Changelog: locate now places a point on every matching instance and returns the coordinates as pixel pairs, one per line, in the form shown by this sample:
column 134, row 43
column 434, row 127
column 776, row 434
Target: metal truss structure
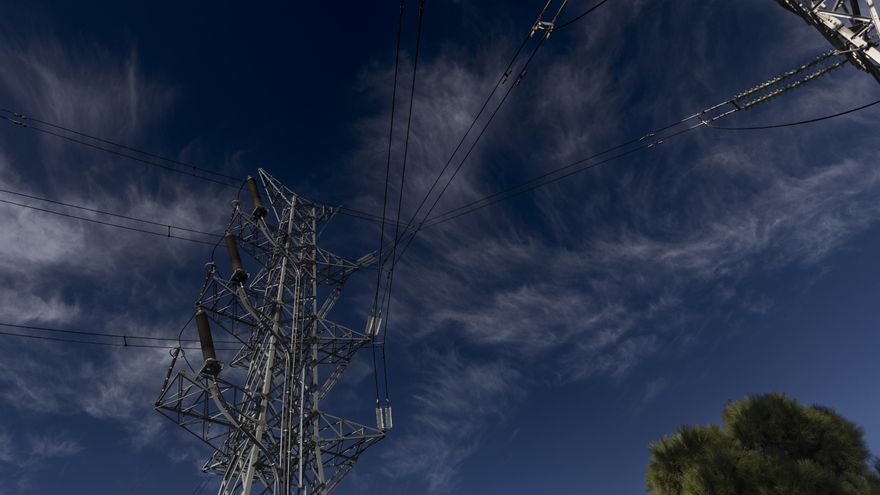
column 263, row 417
column 851, row 26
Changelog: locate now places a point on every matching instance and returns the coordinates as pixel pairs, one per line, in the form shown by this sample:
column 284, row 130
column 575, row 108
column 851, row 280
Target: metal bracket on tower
column 852, row 27
column 261, row 411
column 546, row 25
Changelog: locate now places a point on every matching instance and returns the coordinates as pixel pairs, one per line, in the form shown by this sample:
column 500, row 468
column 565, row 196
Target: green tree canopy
column 768, row 445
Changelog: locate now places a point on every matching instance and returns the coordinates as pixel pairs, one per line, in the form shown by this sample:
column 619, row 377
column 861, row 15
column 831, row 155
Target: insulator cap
column 380, row 423
column 212, row 365
column 373, row 324
column 239, row 275
column 388, row 420
column 259, row 210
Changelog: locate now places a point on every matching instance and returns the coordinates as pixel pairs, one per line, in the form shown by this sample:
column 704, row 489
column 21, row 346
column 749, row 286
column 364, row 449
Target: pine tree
column 768, row 445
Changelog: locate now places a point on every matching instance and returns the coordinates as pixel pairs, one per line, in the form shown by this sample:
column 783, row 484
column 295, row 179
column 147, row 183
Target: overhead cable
column 755, row 96
column 388, row 163
column 21, row 120
column 796, row 123
column 375, row 318
column 121, row 336
column 539, row 24
column 167, row 233
column 108, row 213
column 580, row 16
column 189, row 166
column 412, row 94
column 119, row 340
column 411, row 234
column 501, row 80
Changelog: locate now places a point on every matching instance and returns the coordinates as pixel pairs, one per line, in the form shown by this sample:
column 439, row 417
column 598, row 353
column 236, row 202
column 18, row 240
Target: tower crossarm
column 258, row 404
column 851, row 26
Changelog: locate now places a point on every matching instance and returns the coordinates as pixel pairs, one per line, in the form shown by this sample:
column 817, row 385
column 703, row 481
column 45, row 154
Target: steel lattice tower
column 263, row 418
column 851, row 26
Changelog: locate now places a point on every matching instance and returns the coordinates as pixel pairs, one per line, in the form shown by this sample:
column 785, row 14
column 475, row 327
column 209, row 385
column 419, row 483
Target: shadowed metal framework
column 851, row 26
column 263, row 417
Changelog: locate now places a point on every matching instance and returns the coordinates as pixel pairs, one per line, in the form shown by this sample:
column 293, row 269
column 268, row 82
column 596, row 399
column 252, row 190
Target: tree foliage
column 768, row 445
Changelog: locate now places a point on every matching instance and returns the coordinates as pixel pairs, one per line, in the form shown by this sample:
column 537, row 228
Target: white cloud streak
column 591, row 282
column 451, row 423
column 77, row 275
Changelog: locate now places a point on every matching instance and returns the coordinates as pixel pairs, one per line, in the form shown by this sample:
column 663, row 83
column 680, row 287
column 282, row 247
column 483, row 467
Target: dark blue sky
column 539, row 345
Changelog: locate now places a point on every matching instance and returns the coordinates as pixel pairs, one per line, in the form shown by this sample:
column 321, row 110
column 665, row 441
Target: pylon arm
column 845, row 27
column 259, row 406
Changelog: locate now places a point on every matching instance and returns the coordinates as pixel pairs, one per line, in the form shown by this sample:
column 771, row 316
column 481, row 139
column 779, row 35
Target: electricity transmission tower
column 852, row 27
column 261, row 410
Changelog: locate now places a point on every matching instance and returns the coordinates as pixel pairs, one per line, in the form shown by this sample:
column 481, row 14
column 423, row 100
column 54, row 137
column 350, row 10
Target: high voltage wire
column 107, row 334
column 412, row 95
column 167, row 234
column 414, row 232
column 491, row 199
column 117, row 215
column 386, row 297
column 796, row 123
column 387, row 181
column 531, row 184
column 194, row 172
column 21, row 120
column 25, row 118
column 580, row 16
column 545, row 179
column 504, row 76
column 388, row 160
column 122, row 340
column 761, row 93
column 519, row 189
column 508, row 71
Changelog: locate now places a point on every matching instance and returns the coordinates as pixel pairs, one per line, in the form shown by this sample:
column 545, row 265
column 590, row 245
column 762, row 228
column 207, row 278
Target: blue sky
column 539, row 345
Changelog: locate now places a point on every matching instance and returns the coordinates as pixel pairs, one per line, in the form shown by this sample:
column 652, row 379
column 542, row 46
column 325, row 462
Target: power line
column 76, row 341
column 103, row 344
column 110, row 335
column 24, row 117
column 102, row 212
column 388, row 167
column 508, row 71
column 122, row 340
column 375, row 314
column 414, row 232
column 580, row 16
column 108, row 224
column 406, row 142
column 793, row 124
column 748, row 99
column 194, row 172
column 539, row 24
column 168, row 231
column 412, row 95
column 501, row 80
column 537, row 182
column 19, row 119
column 519, row 190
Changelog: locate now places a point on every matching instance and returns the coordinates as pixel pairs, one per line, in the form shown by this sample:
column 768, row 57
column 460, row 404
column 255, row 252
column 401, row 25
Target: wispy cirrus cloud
column 593, row 273
column 78, row 275
column 451, row 423
column 52, row 445
column 28, row 454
